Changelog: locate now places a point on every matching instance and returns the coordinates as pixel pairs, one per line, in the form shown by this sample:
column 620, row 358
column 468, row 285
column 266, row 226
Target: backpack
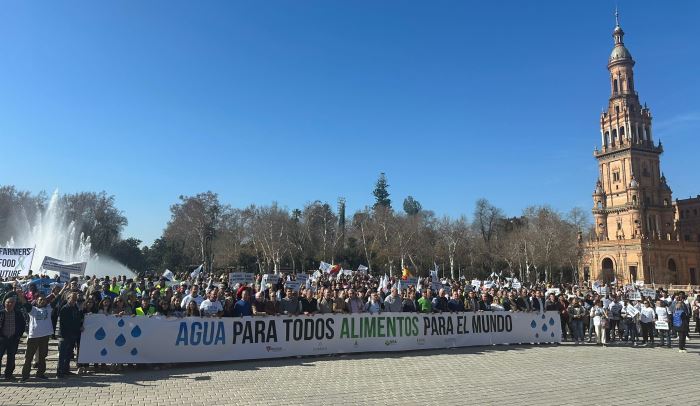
column 678, row 318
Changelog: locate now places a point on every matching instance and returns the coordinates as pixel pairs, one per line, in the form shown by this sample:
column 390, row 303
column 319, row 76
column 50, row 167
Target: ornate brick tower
column 635, row 216
column 631, row 199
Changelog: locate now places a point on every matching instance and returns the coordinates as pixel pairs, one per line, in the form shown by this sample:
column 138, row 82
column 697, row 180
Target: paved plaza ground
column 563, row 374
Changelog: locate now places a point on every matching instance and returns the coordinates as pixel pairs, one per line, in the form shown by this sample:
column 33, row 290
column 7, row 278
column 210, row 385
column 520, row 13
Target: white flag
column 434, row 275
column 362, row 269
column 196, row 272
column 325, row 267
column 398, row 286
column 168, row 274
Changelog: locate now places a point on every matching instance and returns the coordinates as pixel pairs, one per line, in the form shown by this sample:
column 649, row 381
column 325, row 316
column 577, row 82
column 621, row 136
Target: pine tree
column 411, row 206
column 381, row 194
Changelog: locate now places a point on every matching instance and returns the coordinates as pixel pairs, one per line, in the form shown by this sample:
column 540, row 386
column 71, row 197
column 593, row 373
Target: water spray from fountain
column 55, row 236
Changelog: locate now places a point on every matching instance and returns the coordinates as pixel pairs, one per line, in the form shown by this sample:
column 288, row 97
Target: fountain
column 55, row 237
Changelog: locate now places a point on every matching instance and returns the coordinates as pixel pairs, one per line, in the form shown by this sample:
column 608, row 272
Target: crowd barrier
column 144, row 340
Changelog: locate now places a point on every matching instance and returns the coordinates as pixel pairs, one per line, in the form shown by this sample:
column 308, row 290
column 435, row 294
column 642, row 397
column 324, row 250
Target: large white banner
column 112, row 339
column 15, row 262
column 57, row 265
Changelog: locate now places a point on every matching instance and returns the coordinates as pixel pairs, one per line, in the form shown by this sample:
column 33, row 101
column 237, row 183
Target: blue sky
column 293, row 101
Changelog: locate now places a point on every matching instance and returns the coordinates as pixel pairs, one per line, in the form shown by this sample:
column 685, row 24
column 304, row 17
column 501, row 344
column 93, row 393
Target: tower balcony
column 645, row 146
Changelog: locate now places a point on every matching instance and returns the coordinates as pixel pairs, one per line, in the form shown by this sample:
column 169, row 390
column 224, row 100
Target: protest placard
column 661, row 325
column 516, row 285
column 240, row 278
column 634, row 295
column 556, row 291
column 293, row 285
column 476, row 283
column 631, row 310
column 650, row 293
column 302, row 277
column 410, row 281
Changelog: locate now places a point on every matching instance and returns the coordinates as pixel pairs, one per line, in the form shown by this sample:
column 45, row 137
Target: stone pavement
column 545, row 374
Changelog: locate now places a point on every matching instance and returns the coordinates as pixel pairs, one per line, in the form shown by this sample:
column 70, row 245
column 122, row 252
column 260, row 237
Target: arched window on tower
column 622, row 134
column 607, row 139
column 615, row 88
column 613, row 141
column 647, row 132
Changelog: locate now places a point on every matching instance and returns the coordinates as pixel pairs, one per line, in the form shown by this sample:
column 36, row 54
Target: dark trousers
column 613, row 327
column 65, row 350
column 8, row 346
column 682, row 332
column 648, row 333
column 54, row 320
column 36, row 345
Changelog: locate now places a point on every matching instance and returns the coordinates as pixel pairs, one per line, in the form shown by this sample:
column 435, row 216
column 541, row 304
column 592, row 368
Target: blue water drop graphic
column 544, row 327
column 134, row 351
column 543, row 317
column 537, row 335
column 533, row 324
column 552, row 334
column 551, row 321
column 121, row 323
column 100, row 334
column 103, row 352
column 120, row 341
column 136, row 331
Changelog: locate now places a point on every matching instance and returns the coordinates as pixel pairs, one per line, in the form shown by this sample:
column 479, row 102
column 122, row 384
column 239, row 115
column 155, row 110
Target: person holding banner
column 662, row 314
column 393, row 302
column 243, row 307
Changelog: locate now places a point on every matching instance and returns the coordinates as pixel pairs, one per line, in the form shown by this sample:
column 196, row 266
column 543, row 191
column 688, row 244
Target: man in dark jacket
column 70, row 326
column 12, row 325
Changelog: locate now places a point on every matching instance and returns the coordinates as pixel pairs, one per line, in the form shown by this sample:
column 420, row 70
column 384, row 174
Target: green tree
column 381, row 192
column 411, row 206
column 129, row 253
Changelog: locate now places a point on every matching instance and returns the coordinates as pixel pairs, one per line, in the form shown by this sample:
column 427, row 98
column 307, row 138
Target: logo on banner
column 320, row 347
column 120, row 340
column 270, row 348
column 420, row 341
column 390, row 342
column 544, row 327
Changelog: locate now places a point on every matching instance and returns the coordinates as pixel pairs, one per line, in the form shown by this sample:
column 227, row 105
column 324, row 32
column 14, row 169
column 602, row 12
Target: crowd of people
column 40, row 306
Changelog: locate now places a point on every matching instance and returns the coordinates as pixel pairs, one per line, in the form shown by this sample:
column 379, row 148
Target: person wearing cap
column 243, row 307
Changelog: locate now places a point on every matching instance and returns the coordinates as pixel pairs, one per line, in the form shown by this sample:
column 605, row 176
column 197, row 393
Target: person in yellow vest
column 146, row 309
column 115, row 287
column 162, row 286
